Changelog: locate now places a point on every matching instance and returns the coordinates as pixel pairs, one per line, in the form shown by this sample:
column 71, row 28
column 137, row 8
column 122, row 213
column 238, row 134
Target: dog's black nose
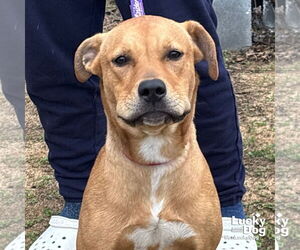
column 152, row 90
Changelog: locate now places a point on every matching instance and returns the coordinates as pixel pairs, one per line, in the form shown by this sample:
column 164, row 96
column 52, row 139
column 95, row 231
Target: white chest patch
column 159, row 232
column 163, row 234
column 156, row 204
column 150, row 149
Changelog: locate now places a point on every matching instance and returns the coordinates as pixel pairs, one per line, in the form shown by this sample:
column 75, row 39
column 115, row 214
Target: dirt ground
column 11, row 174
column 252, row 72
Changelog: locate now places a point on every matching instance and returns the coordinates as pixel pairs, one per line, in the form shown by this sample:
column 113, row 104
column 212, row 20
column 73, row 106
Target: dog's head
column 146, row 65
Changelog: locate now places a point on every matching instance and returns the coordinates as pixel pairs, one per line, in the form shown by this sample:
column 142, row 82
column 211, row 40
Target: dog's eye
column 174, row 55
column 121, row 60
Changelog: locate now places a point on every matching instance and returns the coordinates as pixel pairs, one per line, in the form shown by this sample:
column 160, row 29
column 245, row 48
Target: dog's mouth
column 155, row 119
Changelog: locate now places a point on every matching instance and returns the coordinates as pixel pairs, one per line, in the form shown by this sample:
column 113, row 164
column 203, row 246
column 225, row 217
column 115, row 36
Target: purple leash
column 137, row 8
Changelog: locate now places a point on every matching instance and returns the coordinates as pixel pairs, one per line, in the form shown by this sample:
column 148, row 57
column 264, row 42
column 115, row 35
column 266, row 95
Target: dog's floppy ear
column 206, row 44
column 84, row 61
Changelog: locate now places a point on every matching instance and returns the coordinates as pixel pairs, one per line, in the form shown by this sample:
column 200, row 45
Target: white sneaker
column 233, row 237
column 17, row 244
column 61, row 234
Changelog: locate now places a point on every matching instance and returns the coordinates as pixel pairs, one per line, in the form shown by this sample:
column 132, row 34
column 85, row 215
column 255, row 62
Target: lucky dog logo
column 254, row 224
column 257, row 225
column 281, row 228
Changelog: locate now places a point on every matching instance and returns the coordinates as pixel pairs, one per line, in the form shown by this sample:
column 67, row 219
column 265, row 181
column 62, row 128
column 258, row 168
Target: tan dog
column 150, row 187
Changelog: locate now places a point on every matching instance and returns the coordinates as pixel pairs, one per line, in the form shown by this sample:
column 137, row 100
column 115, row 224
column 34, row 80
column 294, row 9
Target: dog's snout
column 152, row 90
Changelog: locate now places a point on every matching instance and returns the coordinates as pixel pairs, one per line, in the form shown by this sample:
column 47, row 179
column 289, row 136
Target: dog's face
column 147, row 69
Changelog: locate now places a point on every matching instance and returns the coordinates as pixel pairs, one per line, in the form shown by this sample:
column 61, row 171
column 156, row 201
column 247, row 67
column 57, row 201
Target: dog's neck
column 152, row 164
column 151, row 149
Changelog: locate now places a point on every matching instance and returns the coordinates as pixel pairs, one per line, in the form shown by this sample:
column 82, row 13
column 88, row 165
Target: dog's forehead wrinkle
column 144, row 32
column 126, row 43
column 119, row 51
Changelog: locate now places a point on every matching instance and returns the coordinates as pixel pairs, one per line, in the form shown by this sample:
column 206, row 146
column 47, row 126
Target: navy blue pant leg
column 70, row 112
column 12, row 55
column 216, row 116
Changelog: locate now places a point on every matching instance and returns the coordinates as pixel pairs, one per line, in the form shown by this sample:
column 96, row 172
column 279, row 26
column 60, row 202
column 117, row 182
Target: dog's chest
column 151, row 149
column 159, row 232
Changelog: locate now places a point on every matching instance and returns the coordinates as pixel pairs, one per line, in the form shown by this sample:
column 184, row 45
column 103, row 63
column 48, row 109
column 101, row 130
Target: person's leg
column 12, row 55
column 70, row 112
column 216, row 116
column 13, row 90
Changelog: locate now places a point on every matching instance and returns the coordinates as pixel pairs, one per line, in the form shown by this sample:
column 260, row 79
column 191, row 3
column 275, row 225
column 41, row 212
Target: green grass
column 292, row 152
column 49, row 212
column 268, row 152
column 32, row 236
column 30, row 223
column 31, row 199
column 44, row 181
